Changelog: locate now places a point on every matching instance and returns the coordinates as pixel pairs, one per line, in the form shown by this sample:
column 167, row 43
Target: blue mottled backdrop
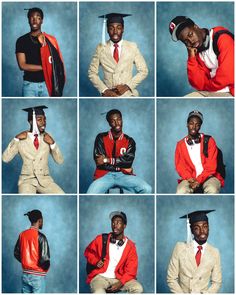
column 171, row 229
column 139, row 28
column 138, row 122
column 172, row 126
column 60, row 228
column 94, row 219
column 61, row 124
column 172, row 77
column 60, row 20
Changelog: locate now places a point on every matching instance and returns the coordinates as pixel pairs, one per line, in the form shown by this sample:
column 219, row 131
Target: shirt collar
column 119, row 43
column 111, row 136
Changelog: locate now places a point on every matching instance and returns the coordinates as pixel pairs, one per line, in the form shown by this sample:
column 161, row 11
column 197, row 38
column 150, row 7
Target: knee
column 136, row 288
column 183, row 189
column 146, row 189
column 211, row 189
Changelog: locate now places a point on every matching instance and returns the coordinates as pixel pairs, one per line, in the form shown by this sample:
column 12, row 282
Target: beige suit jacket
column 35, row 162
column 183, row 275
column 118, row 73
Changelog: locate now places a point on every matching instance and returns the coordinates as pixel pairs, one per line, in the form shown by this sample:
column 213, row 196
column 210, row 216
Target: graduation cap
column 193, row 217
column 39, row 110
column 111, row 18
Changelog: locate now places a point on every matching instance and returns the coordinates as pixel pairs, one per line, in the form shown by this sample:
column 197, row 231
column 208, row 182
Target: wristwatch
column 105, row 160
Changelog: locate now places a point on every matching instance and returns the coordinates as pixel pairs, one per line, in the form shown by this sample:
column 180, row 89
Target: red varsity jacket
column 185, row 167
column 32, row 250
column 47, row 63
column 199, row 75
column 127, row 267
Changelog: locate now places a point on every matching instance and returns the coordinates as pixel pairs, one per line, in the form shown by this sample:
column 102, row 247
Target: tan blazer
column 35, row 162
column 118, row 73
column 183, row 275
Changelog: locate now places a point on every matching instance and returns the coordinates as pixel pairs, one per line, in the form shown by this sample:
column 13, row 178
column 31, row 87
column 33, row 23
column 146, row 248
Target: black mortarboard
column 39, row 110
column 114, row 17
column 196, row 216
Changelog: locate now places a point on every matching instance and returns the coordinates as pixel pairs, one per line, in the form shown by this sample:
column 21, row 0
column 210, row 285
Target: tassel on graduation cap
column 111, row 18
column 193, row 217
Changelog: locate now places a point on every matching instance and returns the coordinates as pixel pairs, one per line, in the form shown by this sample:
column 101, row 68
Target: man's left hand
column 115, row 287
column 194, row 185
column 48, row 139
column 121, row 89
column 100, row 160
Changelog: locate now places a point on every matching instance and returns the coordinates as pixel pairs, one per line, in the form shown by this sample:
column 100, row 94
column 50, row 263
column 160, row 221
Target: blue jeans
column 131, row 183
column 34, row 89
column 33, row 284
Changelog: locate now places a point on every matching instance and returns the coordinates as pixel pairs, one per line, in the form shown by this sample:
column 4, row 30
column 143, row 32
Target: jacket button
column 200, row 278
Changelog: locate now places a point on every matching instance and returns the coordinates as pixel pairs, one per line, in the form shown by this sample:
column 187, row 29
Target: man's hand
column 100, row 160
column 48, row 139
column 110, row 93
column 22, row 135
column 194, row 184
column 115, row 287
column 100, row 263
column 192, row 51
column 121, row 89
column 41, row 39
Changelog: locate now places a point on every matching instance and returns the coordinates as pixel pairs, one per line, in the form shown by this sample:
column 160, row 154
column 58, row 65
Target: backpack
column 216, row 37
column 91, row 267
column 220, row 162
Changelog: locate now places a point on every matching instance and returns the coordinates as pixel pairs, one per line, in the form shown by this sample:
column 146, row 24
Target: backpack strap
column 216, row 37
column 104, row 245
column 205, row 145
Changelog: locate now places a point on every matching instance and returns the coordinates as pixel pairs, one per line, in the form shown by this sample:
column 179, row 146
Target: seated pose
column 34, row 147
column 114, row 153
column 195, row 266
column 197, row 170
column 210, row 64
column 112, row 260
column 117, row 58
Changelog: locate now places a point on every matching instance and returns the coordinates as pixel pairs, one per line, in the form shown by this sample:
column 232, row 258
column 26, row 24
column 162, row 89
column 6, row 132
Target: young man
column 32, row 251
column 116, row 271
column 195, row 169
column 210, row 64
column 34, row 147
column 39, row 56
column 116, row 58
column 195, row 267
column 114, row 153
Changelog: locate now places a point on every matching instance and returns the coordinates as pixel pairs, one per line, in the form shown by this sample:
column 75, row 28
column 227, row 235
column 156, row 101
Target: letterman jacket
column 185, row 167
column 127, row 267
column 121, row 153
column 32, row 250
column 221, row 72
column 47, row 59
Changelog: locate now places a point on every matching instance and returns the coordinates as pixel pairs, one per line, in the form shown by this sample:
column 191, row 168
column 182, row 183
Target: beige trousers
column 210, row 186
column 33, row 187
column 99, row 284
column 208, row 94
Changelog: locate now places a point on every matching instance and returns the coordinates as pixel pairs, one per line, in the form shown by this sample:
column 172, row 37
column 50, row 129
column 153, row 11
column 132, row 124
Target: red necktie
column 198, row 255
column 116, row 52
column 36, row 141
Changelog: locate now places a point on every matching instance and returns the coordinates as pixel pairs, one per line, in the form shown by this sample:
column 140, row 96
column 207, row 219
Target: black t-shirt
column 30, row 46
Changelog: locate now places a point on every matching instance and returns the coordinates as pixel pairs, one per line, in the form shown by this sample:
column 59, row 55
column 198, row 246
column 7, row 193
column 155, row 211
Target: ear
column 196, row 26
column 124, row 226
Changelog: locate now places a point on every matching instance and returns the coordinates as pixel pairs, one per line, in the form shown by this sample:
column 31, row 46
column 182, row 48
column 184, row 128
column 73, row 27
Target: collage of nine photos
column 117, row 147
